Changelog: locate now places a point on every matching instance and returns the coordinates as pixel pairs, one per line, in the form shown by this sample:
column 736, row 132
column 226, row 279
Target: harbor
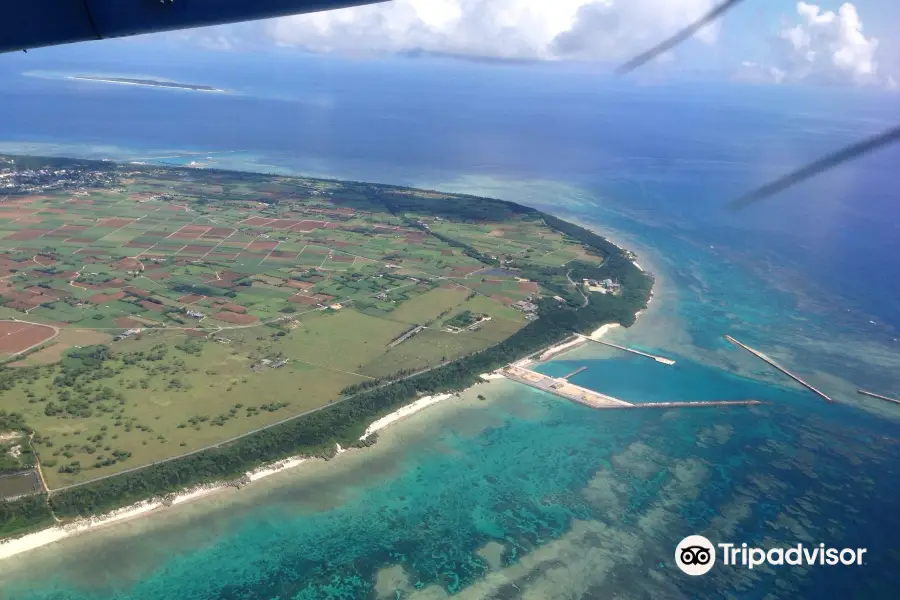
column 774, row 364
column 561, row 388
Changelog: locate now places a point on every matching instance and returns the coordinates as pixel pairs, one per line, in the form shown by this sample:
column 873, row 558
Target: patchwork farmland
column 146, row 312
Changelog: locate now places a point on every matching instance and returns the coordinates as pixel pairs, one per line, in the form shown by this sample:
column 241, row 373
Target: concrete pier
column 878, row 396
column 659, row 359
column 575, row 372
column 774, row 364
column 698, row 404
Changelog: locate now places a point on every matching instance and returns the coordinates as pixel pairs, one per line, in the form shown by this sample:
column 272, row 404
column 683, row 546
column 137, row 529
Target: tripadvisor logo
column 696, row 555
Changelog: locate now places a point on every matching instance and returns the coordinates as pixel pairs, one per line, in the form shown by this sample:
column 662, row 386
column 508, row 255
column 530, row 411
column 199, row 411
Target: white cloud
column 505, row 29
column 828, row 47
column 756, row 73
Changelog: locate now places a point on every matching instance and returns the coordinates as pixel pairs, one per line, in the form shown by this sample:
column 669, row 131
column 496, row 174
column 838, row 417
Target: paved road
column 568, row 276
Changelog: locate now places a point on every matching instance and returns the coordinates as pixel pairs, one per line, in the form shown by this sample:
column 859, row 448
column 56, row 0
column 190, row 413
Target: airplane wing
column 34, row 23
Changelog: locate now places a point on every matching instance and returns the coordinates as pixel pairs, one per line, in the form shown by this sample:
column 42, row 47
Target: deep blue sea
column 524, row 495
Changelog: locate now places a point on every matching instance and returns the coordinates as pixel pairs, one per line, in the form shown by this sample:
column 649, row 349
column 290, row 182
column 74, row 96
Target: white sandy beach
column 492, row 376
column 409, row 409
column 599, row 333
column 56, row 533
column 559, row 348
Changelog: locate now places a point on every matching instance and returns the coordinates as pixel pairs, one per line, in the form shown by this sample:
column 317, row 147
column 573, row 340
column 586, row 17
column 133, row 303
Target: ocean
column 525, row 495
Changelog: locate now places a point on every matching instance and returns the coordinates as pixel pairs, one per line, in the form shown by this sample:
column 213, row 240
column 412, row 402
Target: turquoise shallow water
column 600, row 497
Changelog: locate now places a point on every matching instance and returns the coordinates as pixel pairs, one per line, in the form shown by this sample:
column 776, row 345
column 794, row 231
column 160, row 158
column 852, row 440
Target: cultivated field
column 169, row 309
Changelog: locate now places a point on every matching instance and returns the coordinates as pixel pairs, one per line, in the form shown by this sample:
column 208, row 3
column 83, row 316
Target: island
column 149, row 83
column 166, row 328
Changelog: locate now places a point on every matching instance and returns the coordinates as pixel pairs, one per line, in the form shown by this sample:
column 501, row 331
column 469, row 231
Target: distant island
column 150, row 83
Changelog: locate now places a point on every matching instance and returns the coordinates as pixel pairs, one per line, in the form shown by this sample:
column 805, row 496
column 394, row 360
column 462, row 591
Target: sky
column 776, row 42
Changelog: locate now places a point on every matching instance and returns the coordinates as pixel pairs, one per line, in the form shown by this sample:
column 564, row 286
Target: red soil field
column 183, row 236
column 157, row 275
column 14, row 214
column 262, row 245
column 505, row 300
column 195, row 229
column 71, row 229
column 27, row 234
column 236, row 318
column 135, row 291
column 104, row 298
column 528, row 286
column 195, row 249
column 315, row 299
column 126, row 323
column 257, row 221
column 127, row 264
column 284, row 223
column 16, row 337
column 152, row 306
column 218, row 232
column 190, row 299
column 308, row 226
column 236, row 308
column 116, row 222
column 29, row 220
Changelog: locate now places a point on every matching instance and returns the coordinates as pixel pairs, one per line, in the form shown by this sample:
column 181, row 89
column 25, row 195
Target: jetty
column 878, row 396
column 575, row 372
column 774, row 364
column 698, row 404
column 659, row 359
column 562, row 388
